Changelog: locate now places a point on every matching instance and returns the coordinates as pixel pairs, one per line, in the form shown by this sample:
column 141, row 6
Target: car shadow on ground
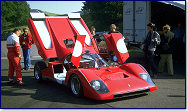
column 34, row 61
column 51, row 91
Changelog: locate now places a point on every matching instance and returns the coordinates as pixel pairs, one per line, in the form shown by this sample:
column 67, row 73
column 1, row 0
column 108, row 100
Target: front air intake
column 131, row 93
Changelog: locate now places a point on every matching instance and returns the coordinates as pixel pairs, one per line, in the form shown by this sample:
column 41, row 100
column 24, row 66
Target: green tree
column 14, row 13
column 103, row 13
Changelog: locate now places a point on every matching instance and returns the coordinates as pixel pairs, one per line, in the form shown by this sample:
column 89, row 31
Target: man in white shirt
column 14, row 56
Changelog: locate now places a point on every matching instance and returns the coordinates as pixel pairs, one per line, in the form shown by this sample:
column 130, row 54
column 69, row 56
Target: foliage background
column 101, row 14
column 14, row 13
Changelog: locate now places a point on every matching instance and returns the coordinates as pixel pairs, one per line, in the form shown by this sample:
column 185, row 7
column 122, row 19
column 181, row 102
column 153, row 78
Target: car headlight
column 99, row 86
column 96, row 85
column 147, row 78
column 144, row 76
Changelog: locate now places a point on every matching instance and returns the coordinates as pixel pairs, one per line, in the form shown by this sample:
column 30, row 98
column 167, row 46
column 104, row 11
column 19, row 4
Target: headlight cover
column 96, row 85
column 99, row 86
column 147, row 78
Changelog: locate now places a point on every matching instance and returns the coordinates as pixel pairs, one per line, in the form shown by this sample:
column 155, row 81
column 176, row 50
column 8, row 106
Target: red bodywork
column 120, row 80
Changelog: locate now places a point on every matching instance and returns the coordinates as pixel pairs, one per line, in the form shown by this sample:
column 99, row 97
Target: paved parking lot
column 170, row 93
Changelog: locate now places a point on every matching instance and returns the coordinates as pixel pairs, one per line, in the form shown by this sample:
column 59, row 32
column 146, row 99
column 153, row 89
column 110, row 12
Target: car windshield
column 89, row 60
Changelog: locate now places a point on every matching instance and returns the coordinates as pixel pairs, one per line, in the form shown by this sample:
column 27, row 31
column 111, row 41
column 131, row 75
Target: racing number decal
column 121, row 46
column 77, row 52
column 115, row 42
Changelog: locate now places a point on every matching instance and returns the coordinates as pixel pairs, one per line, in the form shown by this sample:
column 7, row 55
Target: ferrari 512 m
column 71, row 57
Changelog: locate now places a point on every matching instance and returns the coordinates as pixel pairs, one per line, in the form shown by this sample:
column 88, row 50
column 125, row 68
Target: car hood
column 117, row 80
column 122, row 82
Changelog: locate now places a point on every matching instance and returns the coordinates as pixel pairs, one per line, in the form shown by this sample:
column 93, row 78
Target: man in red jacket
column 26, row 42
column 14, row 56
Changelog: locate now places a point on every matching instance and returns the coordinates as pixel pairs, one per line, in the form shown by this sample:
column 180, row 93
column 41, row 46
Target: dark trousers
column 150, row 62
column 27, row 61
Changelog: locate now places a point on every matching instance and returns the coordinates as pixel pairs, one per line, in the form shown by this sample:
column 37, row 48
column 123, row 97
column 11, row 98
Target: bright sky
column 58, row 7
column 181, row 2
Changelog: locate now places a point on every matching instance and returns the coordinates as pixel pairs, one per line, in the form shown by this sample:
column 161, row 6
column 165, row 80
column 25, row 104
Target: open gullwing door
column 115, row 42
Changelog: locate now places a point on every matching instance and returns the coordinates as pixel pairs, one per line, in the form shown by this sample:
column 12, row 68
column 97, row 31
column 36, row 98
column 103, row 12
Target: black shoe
column 11, row 83
column 27, row 69
column 20, row 83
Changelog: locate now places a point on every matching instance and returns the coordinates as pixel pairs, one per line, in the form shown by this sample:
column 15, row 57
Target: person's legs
column 25, row 56
column 28, row 62
column 11, row 69
column 152, row 63
column 162, row 62
column 170, row 65
column 17, row 66
column 147, row 62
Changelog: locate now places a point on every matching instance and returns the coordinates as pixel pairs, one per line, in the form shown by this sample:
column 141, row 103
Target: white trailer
column 136, row 16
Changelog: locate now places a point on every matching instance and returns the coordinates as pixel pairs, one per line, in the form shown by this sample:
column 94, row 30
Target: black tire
column 37, row 70
column 75, row 86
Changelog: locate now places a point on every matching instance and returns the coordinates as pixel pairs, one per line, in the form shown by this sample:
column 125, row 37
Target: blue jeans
column 27, row 61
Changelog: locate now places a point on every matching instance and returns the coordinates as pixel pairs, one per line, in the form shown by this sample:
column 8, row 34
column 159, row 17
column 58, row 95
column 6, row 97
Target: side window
column 82, row 31
column 69, row 43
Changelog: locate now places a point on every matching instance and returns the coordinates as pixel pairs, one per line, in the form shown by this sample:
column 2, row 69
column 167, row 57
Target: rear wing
column 55, row 36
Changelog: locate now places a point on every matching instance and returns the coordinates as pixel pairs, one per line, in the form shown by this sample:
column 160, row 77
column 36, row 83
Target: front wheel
column 76, row 86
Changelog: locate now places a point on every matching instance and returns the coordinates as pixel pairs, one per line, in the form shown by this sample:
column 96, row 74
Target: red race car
column 71, row 57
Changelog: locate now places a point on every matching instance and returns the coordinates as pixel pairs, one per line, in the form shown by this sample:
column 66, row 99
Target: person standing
column 95, row 36
column 26, row 42
column 166, row 49
column 93, row 30
column 179, row 32
column 14, row 56
column 150, row 43
column 113, row 29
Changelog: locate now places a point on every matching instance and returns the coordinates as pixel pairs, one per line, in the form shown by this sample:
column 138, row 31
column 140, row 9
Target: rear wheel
column 37, row 70
column 76, row 86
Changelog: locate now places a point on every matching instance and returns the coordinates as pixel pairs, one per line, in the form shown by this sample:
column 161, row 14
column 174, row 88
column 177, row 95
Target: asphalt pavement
column 48, row 94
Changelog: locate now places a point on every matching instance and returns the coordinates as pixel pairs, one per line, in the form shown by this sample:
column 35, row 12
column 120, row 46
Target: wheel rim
column 75, row 85
column 37, row 73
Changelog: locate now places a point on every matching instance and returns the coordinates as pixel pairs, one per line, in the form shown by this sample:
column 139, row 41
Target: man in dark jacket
column 166, row 49
column 150, row 43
